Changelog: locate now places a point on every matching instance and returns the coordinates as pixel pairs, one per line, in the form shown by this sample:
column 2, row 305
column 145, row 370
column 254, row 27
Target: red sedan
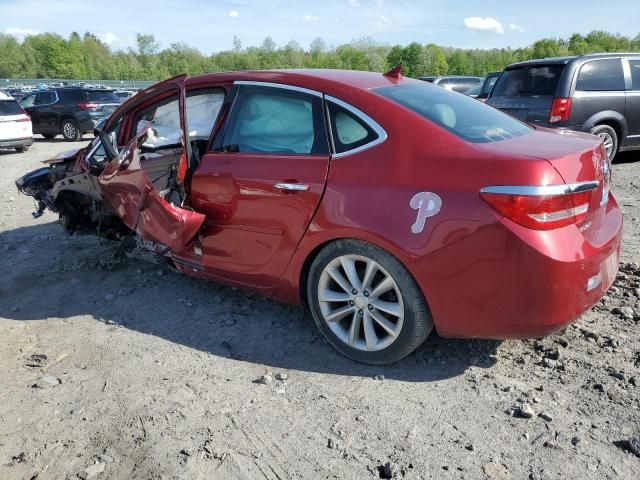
column 388, row 205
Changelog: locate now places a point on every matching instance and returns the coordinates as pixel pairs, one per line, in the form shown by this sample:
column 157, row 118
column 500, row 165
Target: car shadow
column 59, row 139
column 627, row 157
column 9, row 151
column 49, row 274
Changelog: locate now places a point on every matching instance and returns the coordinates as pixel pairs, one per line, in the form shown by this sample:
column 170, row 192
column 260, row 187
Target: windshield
column 528, row 81
column 463, row 116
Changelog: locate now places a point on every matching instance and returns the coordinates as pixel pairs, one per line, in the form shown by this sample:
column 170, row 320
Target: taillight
column 560, row 110
column 542, row 208
column 26, row 118
column 88, row 106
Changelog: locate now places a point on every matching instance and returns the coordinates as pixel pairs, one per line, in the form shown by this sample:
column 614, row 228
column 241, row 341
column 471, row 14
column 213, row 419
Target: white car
column 15, row 125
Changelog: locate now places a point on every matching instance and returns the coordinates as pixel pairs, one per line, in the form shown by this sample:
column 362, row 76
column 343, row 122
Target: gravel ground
column 151, row 375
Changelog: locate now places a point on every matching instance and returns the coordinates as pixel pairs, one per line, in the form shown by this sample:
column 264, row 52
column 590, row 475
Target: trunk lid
column 577, row 157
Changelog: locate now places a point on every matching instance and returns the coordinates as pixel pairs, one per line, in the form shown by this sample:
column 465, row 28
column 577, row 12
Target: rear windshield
column 10, row 107
column 528, row 81
column 102, row 97
column 463, row 116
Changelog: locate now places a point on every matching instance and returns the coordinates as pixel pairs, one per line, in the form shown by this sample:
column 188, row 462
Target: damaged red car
column 387, row 205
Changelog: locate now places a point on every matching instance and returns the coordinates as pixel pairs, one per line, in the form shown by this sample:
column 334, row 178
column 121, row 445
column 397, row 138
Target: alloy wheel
column 361, row 302
column 69, row 130
column 608, row 142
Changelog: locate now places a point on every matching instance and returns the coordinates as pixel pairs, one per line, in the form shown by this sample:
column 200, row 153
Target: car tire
column 609, row 138
column 49, row 136
column 366, row 333
column 22, row 149
column 70, row 130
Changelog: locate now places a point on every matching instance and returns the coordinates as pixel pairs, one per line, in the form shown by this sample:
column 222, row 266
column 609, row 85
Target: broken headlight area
column 75, row 196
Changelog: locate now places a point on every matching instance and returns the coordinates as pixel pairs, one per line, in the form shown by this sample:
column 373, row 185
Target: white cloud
column 483, row 24
column 311, row 18
column 234, row 14
column 385, row 19
column 108, row 38
column 516, row 28
column 354, row 3
column 20, row 33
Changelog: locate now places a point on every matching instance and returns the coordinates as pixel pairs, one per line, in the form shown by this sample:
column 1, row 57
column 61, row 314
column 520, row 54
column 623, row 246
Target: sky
column 210, row 25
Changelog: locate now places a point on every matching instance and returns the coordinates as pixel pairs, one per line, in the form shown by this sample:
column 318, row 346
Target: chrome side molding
column 533, row 190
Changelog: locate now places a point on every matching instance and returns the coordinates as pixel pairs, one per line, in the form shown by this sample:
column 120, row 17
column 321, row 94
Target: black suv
column 69, row 111
column 597, row 93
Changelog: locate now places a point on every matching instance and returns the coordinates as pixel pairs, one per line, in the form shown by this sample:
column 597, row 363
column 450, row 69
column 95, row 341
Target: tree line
column 49, row 55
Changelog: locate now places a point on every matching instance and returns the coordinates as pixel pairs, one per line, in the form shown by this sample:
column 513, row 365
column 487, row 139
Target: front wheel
column 609, row 139
column 366, row 303
column 70, row 131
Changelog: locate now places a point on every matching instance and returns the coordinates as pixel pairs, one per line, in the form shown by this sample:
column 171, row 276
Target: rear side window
column 73, row 95
column 45, row 98
column 528, row 81
column 349, row 131
column 635, row 74
column 463, row 116
column 102, row 97
column 601, row 75
column 10, row 107
column 274, row 120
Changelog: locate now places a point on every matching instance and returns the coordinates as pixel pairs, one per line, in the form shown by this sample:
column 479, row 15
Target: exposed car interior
column 161, row 148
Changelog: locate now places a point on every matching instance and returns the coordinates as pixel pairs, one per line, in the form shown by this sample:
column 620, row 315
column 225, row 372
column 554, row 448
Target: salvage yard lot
column 155, row 375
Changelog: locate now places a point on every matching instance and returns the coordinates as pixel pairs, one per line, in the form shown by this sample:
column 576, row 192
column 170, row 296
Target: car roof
column 309, row 78
column 4, row 96
column 565, row 60
column 83, row 89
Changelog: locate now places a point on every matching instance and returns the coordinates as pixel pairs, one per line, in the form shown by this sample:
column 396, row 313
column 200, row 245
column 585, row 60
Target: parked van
column 596, row 93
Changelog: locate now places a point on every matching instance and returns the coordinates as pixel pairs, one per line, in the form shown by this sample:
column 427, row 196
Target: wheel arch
column 613, row 119
column 63, row 117
column 312, row 251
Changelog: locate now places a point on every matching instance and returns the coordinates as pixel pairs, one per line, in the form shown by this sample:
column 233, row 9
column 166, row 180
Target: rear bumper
column 16, row 142
column 507, row 281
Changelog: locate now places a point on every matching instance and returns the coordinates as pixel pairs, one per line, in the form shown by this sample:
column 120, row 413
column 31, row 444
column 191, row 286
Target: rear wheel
column 70, row 130
column 609, row 139
column 366, row 303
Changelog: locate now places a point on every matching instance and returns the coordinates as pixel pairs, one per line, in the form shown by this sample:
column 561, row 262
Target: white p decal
column 428, row 204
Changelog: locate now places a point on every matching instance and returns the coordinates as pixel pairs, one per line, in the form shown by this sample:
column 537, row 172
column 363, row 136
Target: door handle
column 292, row 187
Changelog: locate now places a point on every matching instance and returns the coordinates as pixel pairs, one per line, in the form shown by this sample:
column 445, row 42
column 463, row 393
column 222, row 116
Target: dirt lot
column 151, row 375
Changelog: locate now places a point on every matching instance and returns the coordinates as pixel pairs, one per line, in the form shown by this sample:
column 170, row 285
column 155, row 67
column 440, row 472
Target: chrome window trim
column 534, row 190
column 599, row 93
column 281, row 86
column 375, row 126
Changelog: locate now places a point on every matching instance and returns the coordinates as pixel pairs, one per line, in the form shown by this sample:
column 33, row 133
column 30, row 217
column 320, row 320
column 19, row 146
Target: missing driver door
column 140, row 183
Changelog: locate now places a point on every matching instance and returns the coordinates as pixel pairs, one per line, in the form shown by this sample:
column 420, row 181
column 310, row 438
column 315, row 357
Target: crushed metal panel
column 81, row 183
